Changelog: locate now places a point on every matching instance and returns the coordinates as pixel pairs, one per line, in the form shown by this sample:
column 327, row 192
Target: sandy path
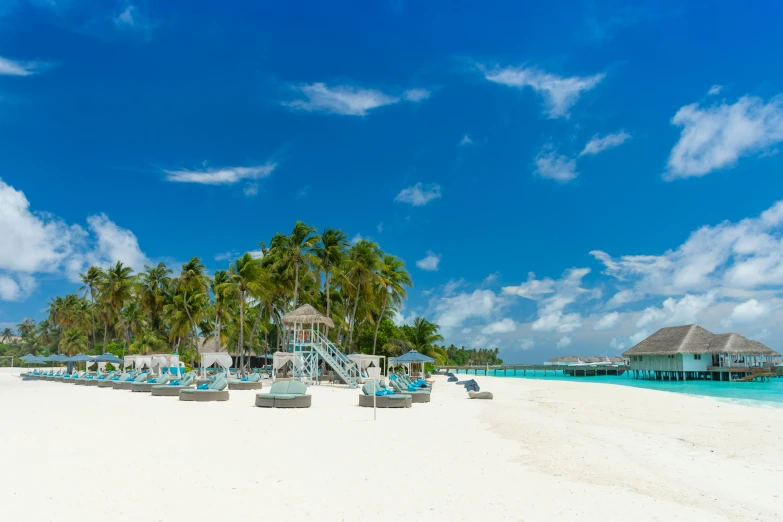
column 541, row 450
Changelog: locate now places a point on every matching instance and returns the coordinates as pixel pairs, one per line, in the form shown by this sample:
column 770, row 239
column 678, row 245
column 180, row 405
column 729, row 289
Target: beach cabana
column 364, row 361
column 411, row 358
column 220, row 359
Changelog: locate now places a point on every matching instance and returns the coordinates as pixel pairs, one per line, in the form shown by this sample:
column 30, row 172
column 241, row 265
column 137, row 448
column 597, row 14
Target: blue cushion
column 393, row 377
column 175, row 382
column 153, row 380
column 204, row 387
column 243, row 379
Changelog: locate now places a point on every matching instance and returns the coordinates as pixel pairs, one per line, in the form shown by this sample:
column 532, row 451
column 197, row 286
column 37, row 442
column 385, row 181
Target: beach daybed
column 146, row 386
column 285, row 394
column 251, row 382
column 99, row 379
column 127, row 383
column 383, row 401
column 172, row 388
column 479, row 395
column 215, row 391
column 109, row 382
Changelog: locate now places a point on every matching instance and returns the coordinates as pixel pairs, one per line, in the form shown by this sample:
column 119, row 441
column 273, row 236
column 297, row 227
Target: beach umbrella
column 413, row 357
column 80, row 357
column 109, row 358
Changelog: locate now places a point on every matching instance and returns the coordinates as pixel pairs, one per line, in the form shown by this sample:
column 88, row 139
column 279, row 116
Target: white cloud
column 527, row 343
column 649, row 316
column 465, row 141
column 617, row 345
column 505, row 325
column 749, row 311
column 416, row 95
column 563, row 342
column 452, row 312
column 559, row 93
column 715, row 137
column 532, row 288
column 130, row 18
column 715, row 90
column 348, row 100
column 10, row 67
column 40, row 243
column 429, row 263
column 220, row 176
column 638, row 337
column 550, row 164
column 607, row 322
column 419, row 194
column 250, row 190
column 598, row 144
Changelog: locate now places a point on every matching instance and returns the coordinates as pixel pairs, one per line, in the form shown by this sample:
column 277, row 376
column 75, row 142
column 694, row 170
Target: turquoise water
column 763, row 394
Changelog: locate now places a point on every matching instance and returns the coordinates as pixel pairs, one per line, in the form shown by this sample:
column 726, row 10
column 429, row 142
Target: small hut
column 303, row 333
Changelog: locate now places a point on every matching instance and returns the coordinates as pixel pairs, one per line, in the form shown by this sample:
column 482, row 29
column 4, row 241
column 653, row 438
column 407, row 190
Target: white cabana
column 364, row 360
column 222, row 359
column 280, row 359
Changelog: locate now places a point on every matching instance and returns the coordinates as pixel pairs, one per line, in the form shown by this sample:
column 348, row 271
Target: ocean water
column 761, row 394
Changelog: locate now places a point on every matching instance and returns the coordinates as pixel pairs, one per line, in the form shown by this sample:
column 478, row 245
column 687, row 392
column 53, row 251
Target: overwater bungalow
column 691, row 352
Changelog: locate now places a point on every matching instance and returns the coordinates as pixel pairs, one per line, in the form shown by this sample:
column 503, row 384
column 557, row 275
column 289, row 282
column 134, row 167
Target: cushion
column 203, row 387
column 284, row 396
column 397, row 397
column 175, row 382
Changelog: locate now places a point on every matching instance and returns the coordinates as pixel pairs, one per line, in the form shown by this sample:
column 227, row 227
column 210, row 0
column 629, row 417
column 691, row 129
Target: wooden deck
column 537, row 369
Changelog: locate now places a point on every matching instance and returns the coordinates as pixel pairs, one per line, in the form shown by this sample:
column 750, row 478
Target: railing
column 345, row 368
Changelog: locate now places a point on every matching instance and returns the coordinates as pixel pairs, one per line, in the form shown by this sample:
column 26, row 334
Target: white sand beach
column 539, row 451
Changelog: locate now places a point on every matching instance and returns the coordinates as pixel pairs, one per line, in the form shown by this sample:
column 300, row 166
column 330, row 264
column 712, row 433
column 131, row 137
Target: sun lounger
column 127, row 383
column 172, row 388
column 109, row 383
column 285, row 394
column 417, row 396
column 215, row 391
column 251, row 382
column 146, row 386
column 396, row 400
column 99, row 378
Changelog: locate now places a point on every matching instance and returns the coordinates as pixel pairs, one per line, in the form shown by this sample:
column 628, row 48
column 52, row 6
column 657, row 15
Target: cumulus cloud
column 453, row 312
column 429, row 263
column 563, row 342
column 559, row 93
column 717, row 136
column 715, row 90
column 419, row 194
column 220, row 176
column 607, row 322
column 39, row 243
column 505, row 325
column 348, row 100
column 130, row 18
column 550, row 164
column 598, row 144
column 638, row 337
column 748, row 312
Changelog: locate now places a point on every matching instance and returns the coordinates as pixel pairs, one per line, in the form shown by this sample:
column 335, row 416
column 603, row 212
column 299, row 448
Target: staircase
column 345, row 368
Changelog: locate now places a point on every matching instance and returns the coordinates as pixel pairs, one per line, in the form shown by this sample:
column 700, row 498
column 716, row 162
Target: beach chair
column 417, row 395
column 109, row 382
column 384, row 398
column 406, row 382
column 71, row 379
column 214, row 391
column 146, row 386
column 98, row 379
column 128, row 382
column 173, row 387
column 251, row 382
column 285, row 394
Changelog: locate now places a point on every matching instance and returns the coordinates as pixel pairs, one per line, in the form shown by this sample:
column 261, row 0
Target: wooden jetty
column 538, row 369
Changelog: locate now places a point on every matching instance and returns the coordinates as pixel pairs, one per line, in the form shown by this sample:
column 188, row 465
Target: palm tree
column 154, row 282
column 116, row 291
column 91, row 280
column 217, row 285
column 297, row 254
column 74, row 341
column 26, row 328
column 392, row 280
column 362, row 265
column 147, row 342
column 243, row 277
column 193, row 280
column 422, row 336
column 331, row 252
column 7, row 334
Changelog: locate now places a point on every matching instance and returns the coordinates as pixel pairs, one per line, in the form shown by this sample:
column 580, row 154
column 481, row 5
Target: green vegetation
column 359, row 286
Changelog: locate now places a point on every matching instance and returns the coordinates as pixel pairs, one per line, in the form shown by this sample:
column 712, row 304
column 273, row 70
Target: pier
column 537, row 369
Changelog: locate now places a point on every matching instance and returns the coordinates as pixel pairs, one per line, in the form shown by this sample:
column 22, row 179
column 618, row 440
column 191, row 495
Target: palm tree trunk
column 241, row 332
column 328, row 300
column 192, row 324
column 378, row 324
column 92, row 312
column 255, row 326
column 105, row 333
column 352, row 322
column 296, row 282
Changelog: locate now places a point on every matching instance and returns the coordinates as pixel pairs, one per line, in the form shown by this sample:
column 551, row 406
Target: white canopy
column 363, row 360
column 279, row 359
column 222, row 359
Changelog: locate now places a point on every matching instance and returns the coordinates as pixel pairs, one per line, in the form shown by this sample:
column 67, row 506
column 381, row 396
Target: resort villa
column 691, row 352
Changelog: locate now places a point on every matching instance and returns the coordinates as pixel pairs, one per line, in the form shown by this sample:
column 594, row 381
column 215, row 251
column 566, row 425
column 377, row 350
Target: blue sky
column 559, row 179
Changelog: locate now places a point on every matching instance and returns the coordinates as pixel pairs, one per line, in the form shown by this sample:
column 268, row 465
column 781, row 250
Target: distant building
column 691, row 352
column 575, row 360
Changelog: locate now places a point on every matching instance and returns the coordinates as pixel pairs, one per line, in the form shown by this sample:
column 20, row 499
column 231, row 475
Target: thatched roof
column 306, row 314
column 210, row 346
column 694, row 339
